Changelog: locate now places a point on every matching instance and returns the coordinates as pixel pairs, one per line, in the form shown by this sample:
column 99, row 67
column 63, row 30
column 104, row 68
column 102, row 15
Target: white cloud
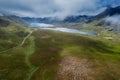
column 71, row 7
column 41, row 8
column 114, row 21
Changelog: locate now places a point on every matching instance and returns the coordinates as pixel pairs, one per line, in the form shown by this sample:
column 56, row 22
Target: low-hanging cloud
column 59, row 8
column 114, row 21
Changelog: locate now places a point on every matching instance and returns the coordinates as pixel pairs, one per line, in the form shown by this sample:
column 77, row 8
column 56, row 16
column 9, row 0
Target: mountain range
column 110, row 11
column 100, row 18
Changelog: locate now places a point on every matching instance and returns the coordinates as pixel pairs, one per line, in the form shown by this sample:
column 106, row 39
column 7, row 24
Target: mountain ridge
column 110, row 11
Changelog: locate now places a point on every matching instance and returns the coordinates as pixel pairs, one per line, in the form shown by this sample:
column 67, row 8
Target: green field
column 52, row 55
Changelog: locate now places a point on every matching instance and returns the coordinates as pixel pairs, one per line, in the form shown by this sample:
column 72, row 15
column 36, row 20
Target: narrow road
column 21, row 44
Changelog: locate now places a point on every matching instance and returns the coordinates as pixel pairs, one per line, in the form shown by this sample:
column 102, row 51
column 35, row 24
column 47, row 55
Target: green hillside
column 51, row 55
column 35, row 54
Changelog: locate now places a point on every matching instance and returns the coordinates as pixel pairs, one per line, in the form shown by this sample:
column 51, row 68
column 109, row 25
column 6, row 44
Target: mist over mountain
column 62, row 11
column 109, row 11
column 55, row 8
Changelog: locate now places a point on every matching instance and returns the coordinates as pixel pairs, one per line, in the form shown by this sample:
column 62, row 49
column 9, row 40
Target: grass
column 12, row 62
column 46, row 57
column 29, row 51
column 43, row 52
column 13, row 66
column 52, row 46
column 11, row 36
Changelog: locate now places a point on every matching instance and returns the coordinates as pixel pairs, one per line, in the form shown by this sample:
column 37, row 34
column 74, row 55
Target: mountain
column 110, row 11
column 17, row 19
column 68, row 19
column 41, row 20
column 77, row 19
column 12, row 31
column 81, row 20
column 6, row 19
column 107, row 20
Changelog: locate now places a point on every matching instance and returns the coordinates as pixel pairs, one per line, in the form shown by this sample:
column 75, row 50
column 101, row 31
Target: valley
column 46, row 56
column 79, row 47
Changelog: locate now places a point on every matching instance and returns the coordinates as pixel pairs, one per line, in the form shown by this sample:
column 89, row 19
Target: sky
column 55, row 8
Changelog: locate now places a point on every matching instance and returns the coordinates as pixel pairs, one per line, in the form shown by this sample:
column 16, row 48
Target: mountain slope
column 12, row 19
column 17, row 20
column 4, row 22
column 110, row 11
column 11, row 32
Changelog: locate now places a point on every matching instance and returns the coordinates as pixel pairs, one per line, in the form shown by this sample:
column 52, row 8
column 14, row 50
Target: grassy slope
column 94, row 26
column 40, row 57
column 11, row 36
column 12, row 62
column 13, row 66
column 52, row 47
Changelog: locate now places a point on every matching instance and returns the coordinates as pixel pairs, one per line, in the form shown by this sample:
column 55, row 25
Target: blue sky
column 59, row 8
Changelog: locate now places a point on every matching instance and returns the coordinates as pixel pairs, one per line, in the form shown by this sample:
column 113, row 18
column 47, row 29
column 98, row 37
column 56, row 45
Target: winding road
column 21, row 44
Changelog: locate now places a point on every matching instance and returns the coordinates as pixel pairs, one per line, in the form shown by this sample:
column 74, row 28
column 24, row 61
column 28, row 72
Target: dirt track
column 23, row 41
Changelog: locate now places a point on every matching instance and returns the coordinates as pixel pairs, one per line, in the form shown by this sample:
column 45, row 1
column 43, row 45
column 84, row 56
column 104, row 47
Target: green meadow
column 52, row 55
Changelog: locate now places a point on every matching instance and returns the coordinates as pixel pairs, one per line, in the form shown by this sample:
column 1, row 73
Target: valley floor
column 52, row 55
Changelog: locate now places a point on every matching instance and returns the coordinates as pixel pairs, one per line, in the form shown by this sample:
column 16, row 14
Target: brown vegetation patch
column 72, row 68
column 45, row 37
column 53, row 49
